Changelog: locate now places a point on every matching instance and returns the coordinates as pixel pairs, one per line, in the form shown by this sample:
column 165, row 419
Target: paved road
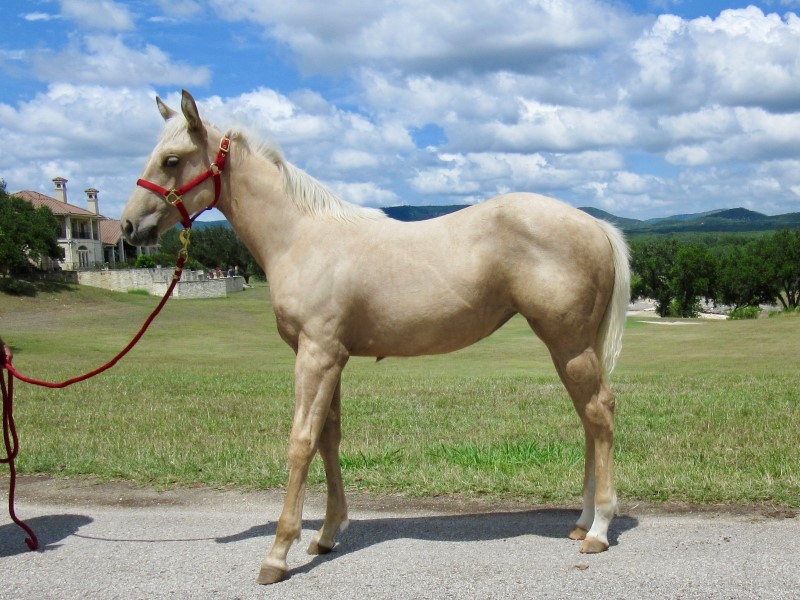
column 116, row 541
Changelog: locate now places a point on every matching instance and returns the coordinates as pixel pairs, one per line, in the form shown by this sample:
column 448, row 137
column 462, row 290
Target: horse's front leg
column 317, row 374
column 336, row 511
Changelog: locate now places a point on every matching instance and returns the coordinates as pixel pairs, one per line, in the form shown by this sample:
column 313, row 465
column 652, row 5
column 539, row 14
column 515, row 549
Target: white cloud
column 743, row 57
column 450, row 36
column 732, row 135
column 89, row 134
column 364, row 194
column 688, row 155
column 40, row 16
column 580, row 100
column 94, row 14
column 350, row 160
column 108, row 60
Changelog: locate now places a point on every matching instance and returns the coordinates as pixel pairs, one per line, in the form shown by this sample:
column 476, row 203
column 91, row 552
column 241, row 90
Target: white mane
column 308, row 193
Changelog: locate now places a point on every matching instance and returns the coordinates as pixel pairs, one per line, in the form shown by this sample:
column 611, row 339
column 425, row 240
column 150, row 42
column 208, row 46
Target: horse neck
column 256, row 206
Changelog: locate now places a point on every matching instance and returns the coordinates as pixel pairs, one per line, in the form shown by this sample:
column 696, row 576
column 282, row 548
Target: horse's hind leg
column 317, row 373
column 584, row 379
column 336, row 511
column 587, row 514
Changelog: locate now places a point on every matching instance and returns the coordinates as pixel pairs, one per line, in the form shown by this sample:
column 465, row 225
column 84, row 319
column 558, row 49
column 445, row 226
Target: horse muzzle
column 141, row 234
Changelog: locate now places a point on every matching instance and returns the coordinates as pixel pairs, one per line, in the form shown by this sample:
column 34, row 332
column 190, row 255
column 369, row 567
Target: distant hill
column 729, row 220
column 690, row 217
column 733, row 220
column 621, row 222
column 421, row 213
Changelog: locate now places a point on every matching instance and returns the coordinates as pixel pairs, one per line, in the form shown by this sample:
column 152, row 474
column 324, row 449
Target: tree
column 27, row 235
column 780, row 256
column 692, row 275
column 742, row 279
column 212, row 247
column 652, row 262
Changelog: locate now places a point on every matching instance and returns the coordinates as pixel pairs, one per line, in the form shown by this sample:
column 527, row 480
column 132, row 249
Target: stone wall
column 193, row 284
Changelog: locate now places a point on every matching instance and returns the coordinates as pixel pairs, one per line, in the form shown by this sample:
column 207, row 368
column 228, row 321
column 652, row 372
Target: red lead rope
column 172, row 197
column 9, row 428
column 12, row 448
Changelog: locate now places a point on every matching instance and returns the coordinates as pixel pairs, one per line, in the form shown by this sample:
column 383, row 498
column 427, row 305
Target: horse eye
column 172, row 161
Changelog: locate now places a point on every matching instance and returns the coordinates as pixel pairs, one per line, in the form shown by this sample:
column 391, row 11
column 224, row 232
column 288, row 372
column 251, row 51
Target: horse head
column 186, row 148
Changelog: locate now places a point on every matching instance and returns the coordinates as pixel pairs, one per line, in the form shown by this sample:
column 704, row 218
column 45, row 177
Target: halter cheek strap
column 174, row 197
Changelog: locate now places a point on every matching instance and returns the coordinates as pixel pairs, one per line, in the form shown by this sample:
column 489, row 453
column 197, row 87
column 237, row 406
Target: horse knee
column 301, row 450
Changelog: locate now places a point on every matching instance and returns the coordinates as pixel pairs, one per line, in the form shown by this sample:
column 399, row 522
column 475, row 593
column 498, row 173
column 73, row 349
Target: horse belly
column 424, row 327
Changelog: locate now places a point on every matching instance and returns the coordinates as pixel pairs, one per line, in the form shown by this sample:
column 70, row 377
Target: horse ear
column 189, row 109
column 165, row 110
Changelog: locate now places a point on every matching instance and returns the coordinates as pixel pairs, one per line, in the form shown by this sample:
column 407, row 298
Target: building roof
column 110, row 231
column 56, row 206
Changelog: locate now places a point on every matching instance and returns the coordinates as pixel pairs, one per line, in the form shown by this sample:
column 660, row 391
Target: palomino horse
column 349, row 281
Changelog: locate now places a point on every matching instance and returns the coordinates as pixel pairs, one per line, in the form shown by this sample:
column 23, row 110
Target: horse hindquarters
column 581, row 322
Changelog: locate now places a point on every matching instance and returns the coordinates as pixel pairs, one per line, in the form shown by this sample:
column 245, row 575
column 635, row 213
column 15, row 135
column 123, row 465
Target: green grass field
column 707, row 411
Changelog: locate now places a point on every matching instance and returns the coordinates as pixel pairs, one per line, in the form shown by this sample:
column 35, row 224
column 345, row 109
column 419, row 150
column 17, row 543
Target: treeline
column 210, row 247
column 741, row 272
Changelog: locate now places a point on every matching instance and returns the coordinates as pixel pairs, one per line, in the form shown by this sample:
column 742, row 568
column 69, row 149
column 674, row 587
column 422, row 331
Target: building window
column 83, row 257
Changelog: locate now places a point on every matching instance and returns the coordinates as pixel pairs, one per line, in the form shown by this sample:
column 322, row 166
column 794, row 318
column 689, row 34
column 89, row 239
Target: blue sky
column 643, row 108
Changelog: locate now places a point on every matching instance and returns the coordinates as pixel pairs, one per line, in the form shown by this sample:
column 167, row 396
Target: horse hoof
column 268, row 575
column 592, row 545
column 316, row 548
column 579, row 533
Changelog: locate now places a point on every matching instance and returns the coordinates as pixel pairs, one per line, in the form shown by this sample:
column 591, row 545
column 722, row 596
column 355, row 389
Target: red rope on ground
column 12, row 448
column 9, row 427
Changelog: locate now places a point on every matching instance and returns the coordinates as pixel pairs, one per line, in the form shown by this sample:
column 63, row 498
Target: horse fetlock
column 317, row 546
column 325, row 539
column 578, row 533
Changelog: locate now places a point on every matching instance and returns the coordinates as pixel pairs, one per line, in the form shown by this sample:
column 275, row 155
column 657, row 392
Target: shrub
column 745, row 312
column 689, row 311
column 145, row 261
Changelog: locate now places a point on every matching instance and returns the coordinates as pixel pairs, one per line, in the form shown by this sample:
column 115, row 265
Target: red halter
column 174, row 197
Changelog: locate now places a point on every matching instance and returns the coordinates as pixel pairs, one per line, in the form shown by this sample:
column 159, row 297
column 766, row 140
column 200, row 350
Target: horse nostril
column 127, row 228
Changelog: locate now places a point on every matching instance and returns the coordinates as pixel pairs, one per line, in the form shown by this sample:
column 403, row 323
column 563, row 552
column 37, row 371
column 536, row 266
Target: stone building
column 89, row 240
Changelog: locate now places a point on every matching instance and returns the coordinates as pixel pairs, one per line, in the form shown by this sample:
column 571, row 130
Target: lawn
column 707, row 411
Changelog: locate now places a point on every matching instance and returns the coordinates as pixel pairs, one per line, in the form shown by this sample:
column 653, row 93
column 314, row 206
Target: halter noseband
column 174, row 197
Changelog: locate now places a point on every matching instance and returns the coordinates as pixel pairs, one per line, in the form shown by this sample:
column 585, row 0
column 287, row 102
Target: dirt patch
column 92, row 492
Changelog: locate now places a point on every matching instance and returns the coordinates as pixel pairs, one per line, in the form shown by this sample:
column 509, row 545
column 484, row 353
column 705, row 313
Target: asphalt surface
column 117, row 541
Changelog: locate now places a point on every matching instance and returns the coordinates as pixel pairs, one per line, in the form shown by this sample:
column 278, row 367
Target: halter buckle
column 172, row 197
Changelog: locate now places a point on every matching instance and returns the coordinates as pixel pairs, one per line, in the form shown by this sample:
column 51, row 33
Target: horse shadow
column 475, row 527
column 49, row 529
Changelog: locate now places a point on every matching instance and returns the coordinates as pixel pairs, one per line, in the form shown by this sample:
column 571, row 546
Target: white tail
column 609, row 342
